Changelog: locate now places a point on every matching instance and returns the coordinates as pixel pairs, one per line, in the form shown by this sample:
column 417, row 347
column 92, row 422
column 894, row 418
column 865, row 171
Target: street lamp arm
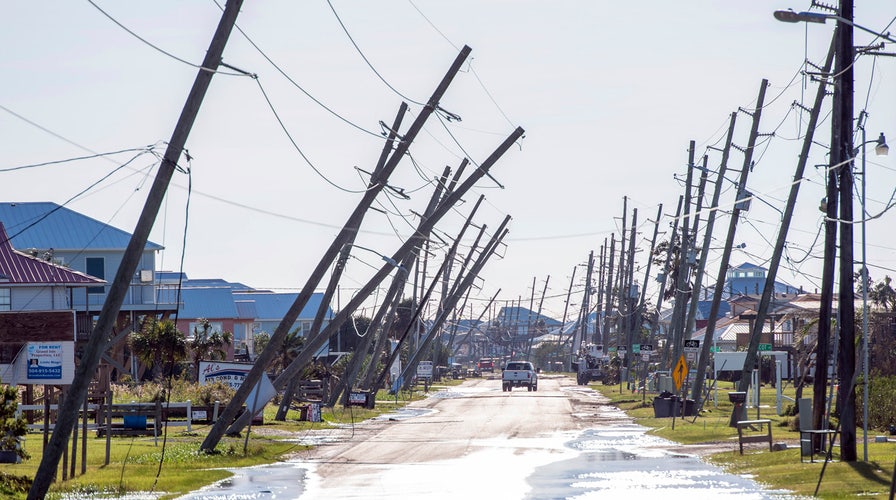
column 790, row 16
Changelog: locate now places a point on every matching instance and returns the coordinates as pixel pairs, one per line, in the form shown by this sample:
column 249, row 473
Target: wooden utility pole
column 344, row 253
column 608, row 296
column 740, row 204
column 96, row 345
column 601, row 337
column 708, row 338
column 312, row 345
column 267, row 355
column 538, row 316
column 622, row 276
column 842, row 154
column 459, row 290
column 478, row 319
column 682, row 280
column 583, row 311
column 690, row 323
column 768, row 290
column 664, row 275
column 639, row 310
column 630, row 319
column 390, row 301
column 566, row 362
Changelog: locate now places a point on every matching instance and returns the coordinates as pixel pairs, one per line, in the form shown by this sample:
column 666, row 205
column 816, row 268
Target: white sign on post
column 45, row 363
column 424, row 369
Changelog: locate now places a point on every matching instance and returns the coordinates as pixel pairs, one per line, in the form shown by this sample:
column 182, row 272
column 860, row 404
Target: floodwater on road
column 612, row 459
column 621, row 459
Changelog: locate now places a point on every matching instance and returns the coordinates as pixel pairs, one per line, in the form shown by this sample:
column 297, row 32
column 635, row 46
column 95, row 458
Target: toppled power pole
column 280, row 333
column 96, row 345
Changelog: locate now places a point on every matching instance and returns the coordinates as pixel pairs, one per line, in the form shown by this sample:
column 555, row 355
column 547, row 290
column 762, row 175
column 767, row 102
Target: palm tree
column 208, row 344
column 158, row 342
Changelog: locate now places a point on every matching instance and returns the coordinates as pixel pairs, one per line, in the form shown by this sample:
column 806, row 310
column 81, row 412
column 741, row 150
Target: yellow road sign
column 680, row 373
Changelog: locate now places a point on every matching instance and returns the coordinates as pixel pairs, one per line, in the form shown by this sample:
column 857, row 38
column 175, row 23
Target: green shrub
column 881, row 402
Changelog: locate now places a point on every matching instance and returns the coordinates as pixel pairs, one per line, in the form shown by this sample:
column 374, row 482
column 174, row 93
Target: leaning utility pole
column 769, row 286
column 344, row 253
column 267, row 355
column 537, row 316
column 664, row 275
column 312, row 345
column 456, row 293
column 622, row 276
column 573, row 350
column 630, row 319
column 582, row 328
column 682, row 279
column 608, row 296
column 67, row 415
column 691, row 321
column 708, row 338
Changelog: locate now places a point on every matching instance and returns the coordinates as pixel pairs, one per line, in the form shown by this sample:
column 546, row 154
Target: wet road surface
column 463, row 450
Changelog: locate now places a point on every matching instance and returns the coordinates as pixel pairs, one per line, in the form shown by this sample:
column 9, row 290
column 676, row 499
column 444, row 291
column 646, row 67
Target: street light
column 789, row 16
column 881, row 149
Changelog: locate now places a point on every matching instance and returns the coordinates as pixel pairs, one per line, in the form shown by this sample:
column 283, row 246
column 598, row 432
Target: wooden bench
column 752, row 425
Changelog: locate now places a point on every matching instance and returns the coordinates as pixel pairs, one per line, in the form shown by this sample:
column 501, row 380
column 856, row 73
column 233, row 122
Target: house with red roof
column 37, row 300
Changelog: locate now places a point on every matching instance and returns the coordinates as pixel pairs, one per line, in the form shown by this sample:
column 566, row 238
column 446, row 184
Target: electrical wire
column 369, row 64
column 295, row 84
column 156, row 47
column 299, row 150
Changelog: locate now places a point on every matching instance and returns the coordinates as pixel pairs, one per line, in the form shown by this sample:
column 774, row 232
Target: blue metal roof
column 274, row 305
column 45, row 225
column 210, row 303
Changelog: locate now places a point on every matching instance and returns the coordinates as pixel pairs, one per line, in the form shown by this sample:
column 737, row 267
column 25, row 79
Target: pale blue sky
column 610, row 94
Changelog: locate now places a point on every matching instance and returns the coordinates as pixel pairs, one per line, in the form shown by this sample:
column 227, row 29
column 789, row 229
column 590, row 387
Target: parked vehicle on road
column 591, row 364
column 519, row 374
column 486, row 365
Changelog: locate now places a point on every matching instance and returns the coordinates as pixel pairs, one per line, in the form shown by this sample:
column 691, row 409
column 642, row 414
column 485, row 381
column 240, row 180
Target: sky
column 610, row 95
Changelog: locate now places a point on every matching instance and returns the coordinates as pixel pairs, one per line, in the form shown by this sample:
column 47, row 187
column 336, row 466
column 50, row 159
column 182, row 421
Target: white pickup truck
column 518, row 374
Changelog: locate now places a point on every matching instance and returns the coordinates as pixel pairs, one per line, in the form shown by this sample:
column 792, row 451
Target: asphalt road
column 476, row 441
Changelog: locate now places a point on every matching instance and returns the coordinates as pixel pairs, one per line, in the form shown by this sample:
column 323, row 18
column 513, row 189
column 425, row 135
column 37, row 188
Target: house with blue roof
column 81, row 243
column 241, row 310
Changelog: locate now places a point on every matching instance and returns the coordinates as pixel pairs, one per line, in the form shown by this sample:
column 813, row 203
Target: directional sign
column 636, row 348
column 646, row 347
column 765, row 347
column 691, row 345
column 680, row 373
column 715, row 349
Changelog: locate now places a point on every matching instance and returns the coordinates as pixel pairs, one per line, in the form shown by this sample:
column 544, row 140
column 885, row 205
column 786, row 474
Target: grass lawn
column 779, row 469
column 134, row 463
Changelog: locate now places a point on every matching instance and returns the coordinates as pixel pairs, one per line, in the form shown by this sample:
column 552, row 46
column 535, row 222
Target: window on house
column 214, row 327
column 5, row 299
column 96, row 267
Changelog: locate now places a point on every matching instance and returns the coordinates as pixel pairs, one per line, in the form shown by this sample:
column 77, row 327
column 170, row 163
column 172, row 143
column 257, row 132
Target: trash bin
column 740, row 408
column 662, row 407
